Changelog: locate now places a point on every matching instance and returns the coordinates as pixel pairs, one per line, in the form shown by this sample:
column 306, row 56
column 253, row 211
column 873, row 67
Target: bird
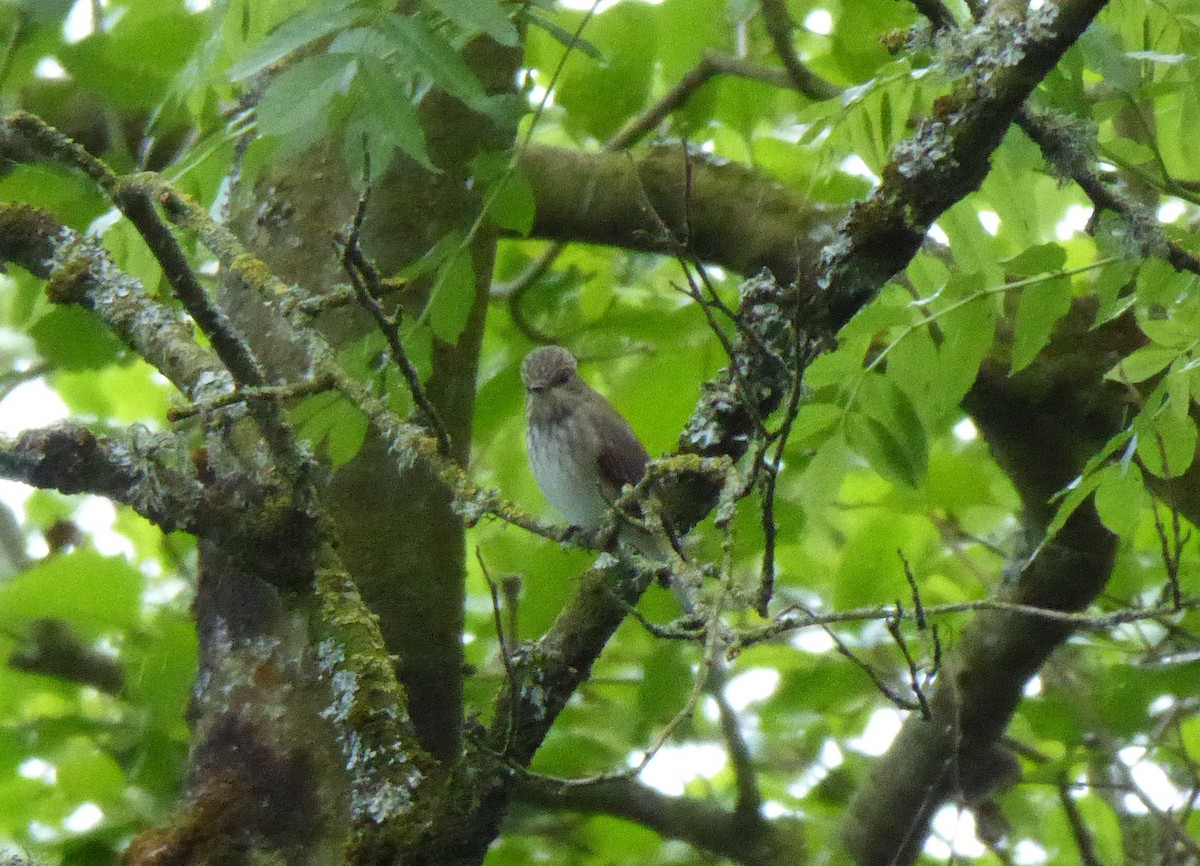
column 581, row 449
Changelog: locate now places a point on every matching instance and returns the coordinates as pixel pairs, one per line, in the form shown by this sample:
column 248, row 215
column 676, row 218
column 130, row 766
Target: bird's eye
column 561, row 378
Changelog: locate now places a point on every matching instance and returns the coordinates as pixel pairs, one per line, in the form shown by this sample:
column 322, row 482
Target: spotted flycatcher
column 581, row 450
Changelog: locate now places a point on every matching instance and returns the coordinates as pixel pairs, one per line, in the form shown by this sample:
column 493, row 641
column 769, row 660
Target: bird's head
column 547, row 369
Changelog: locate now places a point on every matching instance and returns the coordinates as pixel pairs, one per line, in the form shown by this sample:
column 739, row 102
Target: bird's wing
column 621, row 457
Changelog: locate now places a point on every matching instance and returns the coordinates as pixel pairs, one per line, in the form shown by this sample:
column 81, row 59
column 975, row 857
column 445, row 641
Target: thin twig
column 797, row 617
column 1164, row 817
column 366, row 281
column 914, row 673
column 533, row 272
column 749, row 798
column 766, row 585
column 779, row 26
column 867, row 668
column 1171, row 546
column 1101, row 194
column 708, row 663
column 341, row 296
column 505, row 650
column 517, row 290
column 15, row 378
column 132, row 194
column 918, row 606
column 246, row 395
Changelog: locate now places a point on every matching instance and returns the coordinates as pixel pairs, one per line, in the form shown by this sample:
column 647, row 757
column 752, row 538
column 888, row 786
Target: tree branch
column 78, row 270
column 739, row 836
column 725, row 213
column 779, row 26
column 150, row 472
column 133, row 196
column 944, row 160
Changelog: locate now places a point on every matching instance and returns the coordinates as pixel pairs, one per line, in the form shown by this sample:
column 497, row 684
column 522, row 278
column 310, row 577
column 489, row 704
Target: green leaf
column 1179, row 333
column 479, row 16
column 511, row 204
column 1040, row 308
column 870, row 571
column 598, row 96
column 564, row 37
column 86, row 772
column 1121, row 497
column 162, row 681
column 313, row 23
column 385, row 119
column 886, row 452
column 1141, row 364
column 452, row 297
column 1076, row 493
column 333, row 426
column 887, row 430
column 300, row 98
column 1158, row 283
column 967, row 336
column 1036, row 260
column 1128, row 151
column 815, row 421
column 90, row 592
column 664, row 687
column 72, row 338
column 427, row 52
column 1166, row 443
column 1111, row 289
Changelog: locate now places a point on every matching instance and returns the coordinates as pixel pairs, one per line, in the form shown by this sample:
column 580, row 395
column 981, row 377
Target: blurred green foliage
column 882, row 464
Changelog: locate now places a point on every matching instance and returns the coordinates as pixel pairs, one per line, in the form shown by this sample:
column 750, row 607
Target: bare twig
column 705, row 823
column 1164, row 818
column 132, row 196
column 510, row 588
column 1079, row 829
column 366, row 281
column 1171, row 546
column 918, row 606
column 914, row 672
column 245, row 395
column 515, row 293
column 341, row 296
column 1171, row 552
column 15, row 378
column 1060, row 153
column 766, row 586
column 779, row 26
column 505, row 651
column 532, row 273
column 797, row 617
column 749, row 798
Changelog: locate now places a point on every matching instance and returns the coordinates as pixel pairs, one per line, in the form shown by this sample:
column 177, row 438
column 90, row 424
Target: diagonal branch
column 779, row 26
column 945, row 159
column 78, row 270
column 133, row 196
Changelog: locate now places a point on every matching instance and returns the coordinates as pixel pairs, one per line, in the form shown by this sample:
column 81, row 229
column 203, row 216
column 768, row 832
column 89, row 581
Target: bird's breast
column 567, row 472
